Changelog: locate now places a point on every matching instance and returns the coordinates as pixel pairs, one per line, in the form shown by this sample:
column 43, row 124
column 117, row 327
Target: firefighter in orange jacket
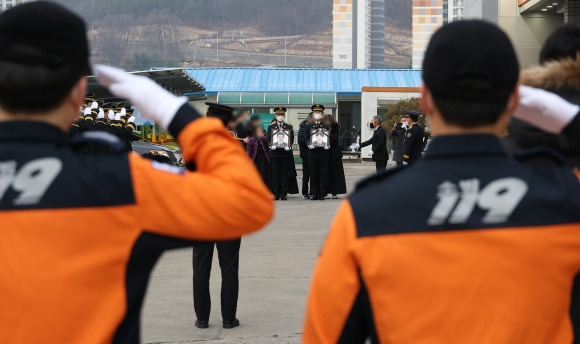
column 76, row 255
column 477, row 248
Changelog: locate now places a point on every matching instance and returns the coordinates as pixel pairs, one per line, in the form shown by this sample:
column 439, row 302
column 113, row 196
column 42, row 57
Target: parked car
column 143, row 148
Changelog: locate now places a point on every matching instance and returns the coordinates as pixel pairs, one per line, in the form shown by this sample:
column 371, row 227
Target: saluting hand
column 152, row 100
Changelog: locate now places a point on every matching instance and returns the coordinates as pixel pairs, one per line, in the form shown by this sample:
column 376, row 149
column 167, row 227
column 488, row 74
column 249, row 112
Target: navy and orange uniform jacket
column 486, row 251
column 414, row 144
column 80, row 234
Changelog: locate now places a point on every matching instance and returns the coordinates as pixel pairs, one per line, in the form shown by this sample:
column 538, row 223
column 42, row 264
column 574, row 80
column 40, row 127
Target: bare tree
column 114, row 37
column 162, row 32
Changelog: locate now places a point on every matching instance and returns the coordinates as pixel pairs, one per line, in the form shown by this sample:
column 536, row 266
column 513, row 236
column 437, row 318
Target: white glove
column 101, row 114
column 545, row 110
column 355, row 146
column 111, row 115
column 371, row 153
column 131, row 120
column 87, row 111
column 286, row 148
column 94, row 105
column 404, row 126
column 123, row 111
column 311, row 147
column 118, row 117
column 327, row 147
column 273, row 148
column 152, row 100
column 405, row 163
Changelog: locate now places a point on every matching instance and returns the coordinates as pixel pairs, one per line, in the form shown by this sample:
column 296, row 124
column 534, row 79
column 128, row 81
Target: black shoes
column 314, row 198
column 305, row 197
column 201, row 324
column 231, row 324
column 277, row 198
column 284, row 198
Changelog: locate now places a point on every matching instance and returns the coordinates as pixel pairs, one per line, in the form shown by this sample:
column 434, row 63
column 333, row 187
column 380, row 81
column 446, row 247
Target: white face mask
column 317, row 116
column 280, row 118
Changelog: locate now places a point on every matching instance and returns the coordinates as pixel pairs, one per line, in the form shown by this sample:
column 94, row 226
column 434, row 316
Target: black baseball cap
column 43, row 33
column 470, row 60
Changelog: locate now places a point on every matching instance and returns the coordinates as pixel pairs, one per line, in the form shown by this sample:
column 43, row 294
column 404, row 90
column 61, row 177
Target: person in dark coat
column 318, row 156
column 558, row 72
column 336, row 178
column 258, row 151
column 243, row 129
column 398, row 137
column 303, row 139
column 282, row 159
column 228, row 255
column 378, row 143
column 414, row 139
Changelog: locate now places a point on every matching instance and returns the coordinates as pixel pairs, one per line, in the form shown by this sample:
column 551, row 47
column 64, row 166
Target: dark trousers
column 229, row 259
column 305, row 177
column 318, row 176
column 280, row 168
column 381, row 166
column 400, row 164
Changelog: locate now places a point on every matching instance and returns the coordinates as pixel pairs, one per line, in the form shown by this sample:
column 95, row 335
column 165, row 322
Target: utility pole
column 218, row 45
column 285, row 53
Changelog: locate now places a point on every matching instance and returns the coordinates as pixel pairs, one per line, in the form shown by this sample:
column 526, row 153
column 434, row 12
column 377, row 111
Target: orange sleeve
column 335, row 283
column 224, row 199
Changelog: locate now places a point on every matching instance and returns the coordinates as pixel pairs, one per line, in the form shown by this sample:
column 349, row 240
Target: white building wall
column 455, row 10
column 473, row 9
column 7, row 4
column 363, row 34
column 369, row 106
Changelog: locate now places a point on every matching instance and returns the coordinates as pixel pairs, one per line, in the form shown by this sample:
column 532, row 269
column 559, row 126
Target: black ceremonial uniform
column 281, row 160
column 414, row 142
column 303, row 139
column 318, row 162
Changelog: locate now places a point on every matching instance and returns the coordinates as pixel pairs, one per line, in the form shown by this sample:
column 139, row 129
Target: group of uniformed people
column 97, row 116
column 490, row 255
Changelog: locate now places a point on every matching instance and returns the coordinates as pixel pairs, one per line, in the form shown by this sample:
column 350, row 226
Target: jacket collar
column 30, row 131
column 465, row 145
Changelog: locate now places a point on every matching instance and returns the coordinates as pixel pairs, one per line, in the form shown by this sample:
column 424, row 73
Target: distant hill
column 139, row 34
column 272, row 17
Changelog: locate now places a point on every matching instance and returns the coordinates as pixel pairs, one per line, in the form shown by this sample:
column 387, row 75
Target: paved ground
column 276, row 265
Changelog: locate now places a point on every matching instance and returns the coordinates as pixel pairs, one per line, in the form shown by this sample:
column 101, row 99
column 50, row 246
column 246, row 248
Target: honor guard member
column 414, row 139
column 129, row 129
column 491, row 250
column 318, row 154
column 303, row 141
column 76, row 250
column 228, row 256
column 280, row 156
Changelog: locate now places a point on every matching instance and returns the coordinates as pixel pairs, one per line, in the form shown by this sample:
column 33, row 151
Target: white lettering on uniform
column 31, row 181
column 500, row 198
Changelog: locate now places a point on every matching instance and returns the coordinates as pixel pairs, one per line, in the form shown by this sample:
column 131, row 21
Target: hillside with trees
column 136, row 34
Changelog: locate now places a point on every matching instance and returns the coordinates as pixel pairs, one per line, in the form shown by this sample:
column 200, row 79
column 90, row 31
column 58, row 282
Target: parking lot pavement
column 275, row 269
